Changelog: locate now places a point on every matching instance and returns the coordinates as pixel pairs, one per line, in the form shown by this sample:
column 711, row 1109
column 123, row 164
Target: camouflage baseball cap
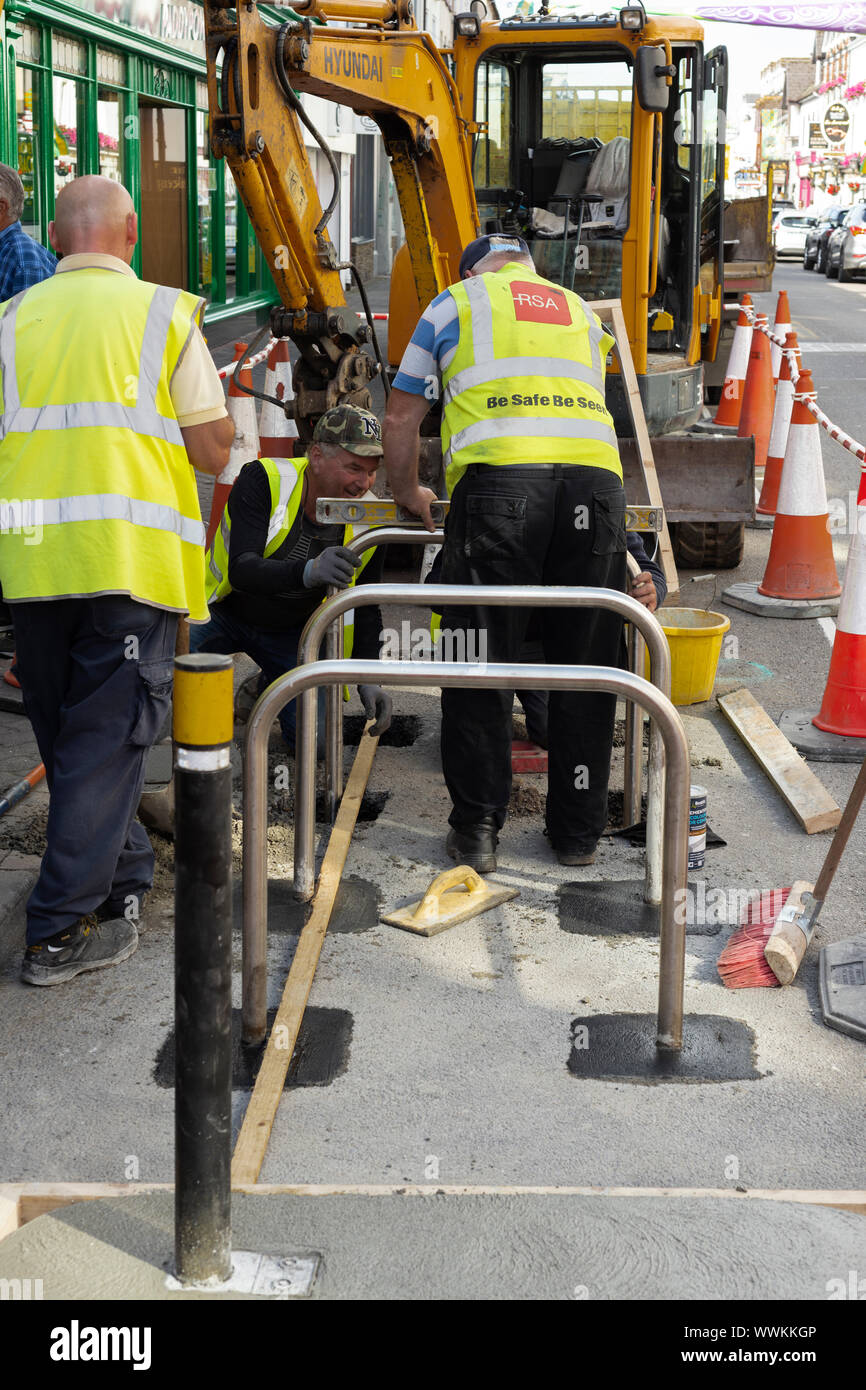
column 357, row 431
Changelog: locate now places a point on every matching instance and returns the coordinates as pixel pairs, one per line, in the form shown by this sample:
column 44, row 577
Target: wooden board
column 26, row 1201
column 258, row 1121
column 807, row 797
column 611, row 315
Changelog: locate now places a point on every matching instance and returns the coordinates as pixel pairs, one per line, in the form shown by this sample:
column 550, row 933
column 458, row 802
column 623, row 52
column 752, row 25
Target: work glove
column 335, row 566
column 378, row 706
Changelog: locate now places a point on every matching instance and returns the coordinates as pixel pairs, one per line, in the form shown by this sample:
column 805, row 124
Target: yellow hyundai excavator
column 599, row 139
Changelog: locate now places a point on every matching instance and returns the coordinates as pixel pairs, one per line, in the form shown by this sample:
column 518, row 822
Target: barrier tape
column 810, row 402
column 253, row 361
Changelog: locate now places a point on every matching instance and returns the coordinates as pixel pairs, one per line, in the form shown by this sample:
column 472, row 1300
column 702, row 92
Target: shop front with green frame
column 80, row 94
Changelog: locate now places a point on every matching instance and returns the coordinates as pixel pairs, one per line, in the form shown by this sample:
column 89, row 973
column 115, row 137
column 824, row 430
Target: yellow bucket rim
column 716, row 629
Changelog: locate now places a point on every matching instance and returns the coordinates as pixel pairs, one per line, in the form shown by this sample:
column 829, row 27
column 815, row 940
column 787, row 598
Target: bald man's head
column 94, row 214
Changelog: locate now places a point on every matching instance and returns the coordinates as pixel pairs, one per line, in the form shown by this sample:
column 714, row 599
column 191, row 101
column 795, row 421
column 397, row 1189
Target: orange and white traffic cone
column 756, row 416
column 843, row 708
column 731, row 403
column 277, row 432
column 800, row 580
column 781, row 329
column 245, row 446
column 779, row 432
column 801, row 565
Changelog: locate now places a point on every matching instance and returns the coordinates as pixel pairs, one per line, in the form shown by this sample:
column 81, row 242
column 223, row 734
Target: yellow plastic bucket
column 695, row 637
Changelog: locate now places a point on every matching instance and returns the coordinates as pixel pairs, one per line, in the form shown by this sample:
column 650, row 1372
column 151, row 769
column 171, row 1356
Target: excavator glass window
column 554, row 162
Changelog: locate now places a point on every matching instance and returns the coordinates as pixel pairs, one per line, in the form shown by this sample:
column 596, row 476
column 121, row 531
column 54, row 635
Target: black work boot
column 86, row 945
column 572, row 853
column 474, row 845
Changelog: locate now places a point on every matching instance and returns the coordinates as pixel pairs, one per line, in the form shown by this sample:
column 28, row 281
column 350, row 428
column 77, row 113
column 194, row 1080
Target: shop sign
column 817, row 138
column 836, row 122
column 178, row 22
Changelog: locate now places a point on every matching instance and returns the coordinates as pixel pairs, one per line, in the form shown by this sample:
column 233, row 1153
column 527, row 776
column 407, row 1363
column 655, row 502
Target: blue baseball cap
column 491, row 245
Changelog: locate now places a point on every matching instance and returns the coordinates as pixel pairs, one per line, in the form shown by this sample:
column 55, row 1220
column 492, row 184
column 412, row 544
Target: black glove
column 378, row 706
column 335, row 566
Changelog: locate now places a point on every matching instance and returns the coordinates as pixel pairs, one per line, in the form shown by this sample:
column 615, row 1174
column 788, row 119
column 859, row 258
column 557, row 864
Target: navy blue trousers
column 534, row 524
column 96, row 676
column 275, row 652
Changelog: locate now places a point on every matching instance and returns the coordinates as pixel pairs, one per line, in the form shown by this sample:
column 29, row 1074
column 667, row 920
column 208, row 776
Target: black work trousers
column 534, row 524
column 96, row 674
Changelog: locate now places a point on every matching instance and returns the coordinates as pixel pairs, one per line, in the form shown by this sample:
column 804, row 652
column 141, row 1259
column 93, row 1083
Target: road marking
column 828, row 627
column 815, row 346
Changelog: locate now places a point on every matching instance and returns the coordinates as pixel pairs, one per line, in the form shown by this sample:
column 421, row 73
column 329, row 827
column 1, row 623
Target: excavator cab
column 617, row 201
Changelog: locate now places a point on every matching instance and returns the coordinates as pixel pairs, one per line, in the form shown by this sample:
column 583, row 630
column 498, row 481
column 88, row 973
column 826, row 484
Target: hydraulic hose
column 295, row 104
column 350, row 265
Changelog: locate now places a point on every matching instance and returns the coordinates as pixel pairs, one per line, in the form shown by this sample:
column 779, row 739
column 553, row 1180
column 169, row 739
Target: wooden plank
column 10, row 1196
column 795, row 781
column 258, row 1121
column 611, row 315
column 37, row 1199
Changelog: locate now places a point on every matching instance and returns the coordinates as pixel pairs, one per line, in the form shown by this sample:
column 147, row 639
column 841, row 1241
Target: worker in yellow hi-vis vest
column 271, row 562
column 109, row 394
column 533, row 472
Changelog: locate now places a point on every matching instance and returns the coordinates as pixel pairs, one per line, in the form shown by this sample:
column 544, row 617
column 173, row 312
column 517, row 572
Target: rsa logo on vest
column 539, row 303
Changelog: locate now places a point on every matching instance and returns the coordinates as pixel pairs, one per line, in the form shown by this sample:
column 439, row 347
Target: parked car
column 789, row 232
column 815, row 250
column 781, row 205
column 846, row 248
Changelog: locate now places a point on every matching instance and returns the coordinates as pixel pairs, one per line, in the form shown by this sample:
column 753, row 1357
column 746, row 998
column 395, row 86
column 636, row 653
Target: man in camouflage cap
column 355, row 430
column 271, row 562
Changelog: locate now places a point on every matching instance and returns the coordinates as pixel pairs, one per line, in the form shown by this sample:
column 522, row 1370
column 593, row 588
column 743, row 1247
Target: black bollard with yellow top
column 203, row 712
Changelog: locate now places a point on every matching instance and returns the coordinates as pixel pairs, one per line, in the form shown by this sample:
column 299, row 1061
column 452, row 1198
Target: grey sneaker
column 88, row 945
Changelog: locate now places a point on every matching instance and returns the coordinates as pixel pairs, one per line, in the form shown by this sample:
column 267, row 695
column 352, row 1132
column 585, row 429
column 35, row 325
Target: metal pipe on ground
column 203, row 727
column 528, row 596
column 520, row 676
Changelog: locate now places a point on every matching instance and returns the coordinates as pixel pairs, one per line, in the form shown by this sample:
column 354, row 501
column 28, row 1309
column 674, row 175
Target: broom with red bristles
column 768, row 946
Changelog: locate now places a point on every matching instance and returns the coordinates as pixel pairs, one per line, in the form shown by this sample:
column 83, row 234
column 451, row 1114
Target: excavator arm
column 384, row 68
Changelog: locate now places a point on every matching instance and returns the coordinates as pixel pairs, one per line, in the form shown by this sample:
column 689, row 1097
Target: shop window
column 231, row 209
column 68, row 101
column 110, row 67
column 164, row 181
column 69, row 55
column 27, row 120
column 108, row 124
column 28, row 47
column 205, row 185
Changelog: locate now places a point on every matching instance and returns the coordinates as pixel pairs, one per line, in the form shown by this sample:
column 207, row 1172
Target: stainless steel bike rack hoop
column 380, row 535
column 446, row 673
column 528, row 596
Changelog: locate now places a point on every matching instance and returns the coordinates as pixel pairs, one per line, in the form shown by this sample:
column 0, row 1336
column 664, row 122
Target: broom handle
column 840, row 839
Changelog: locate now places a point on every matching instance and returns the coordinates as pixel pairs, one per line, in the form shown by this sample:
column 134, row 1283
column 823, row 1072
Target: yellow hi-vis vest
column 526, row 382
column 286, row 480
column 97, row 494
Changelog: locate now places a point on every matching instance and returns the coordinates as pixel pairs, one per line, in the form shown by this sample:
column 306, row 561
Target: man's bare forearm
column 400, row 442
column 401, row 445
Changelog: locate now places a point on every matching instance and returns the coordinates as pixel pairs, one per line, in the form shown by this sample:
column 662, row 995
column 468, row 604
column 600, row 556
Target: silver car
column 846, row 249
